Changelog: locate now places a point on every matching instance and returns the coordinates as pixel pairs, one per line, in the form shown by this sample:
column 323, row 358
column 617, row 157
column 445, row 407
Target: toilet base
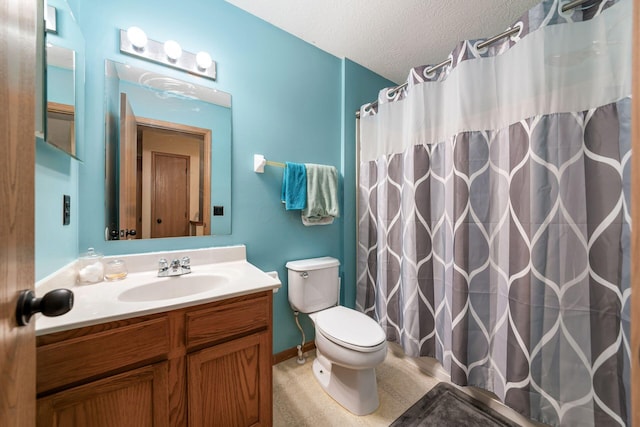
column 355, row 389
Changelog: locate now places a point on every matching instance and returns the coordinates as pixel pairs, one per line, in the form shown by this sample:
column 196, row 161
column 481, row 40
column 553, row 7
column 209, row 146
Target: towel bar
column 259, row 162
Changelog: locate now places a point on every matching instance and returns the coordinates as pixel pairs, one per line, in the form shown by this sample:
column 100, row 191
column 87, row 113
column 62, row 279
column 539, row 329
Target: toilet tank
column 313, row 283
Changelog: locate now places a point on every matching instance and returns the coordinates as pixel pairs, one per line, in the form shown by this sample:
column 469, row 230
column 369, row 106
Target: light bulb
column 137, row 37
column 203, row 59
column 173, row 50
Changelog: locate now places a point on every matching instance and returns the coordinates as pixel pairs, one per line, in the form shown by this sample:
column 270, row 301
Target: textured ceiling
column 389, row 37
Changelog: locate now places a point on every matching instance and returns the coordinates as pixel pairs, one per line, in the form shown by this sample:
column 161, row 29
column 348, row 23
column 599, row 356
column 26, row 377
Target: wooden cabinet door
column 230, row 384
column 136, row 398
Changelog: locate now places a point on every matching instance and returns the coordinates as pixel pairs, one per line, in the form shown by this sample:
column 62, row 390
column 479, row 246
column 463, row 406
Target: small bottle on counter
column 115, row 270
column 90, row 267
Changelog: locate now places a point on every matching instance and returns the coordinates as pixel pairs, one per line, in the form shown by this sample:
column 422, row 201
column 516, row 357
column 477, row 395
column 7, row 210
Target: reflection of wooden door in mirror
column 169, row 201
column 128, row 167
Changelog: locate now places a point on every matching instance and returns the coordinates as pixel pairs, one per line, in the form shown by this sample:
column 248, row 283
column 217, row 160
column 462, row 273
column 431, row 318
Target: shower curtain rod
column 507, row 33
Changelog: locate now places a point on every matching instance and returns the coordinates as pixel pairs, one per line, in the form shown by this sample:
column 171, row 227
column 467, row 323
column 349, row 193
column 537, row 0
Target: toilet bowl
column 349, row 338
column 345, row 362
column 349, row 344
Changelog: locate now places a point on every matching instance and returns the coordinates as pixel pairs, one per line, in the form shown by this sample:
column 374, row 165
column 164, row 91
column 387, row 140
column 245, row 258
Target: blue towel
column 294, row 186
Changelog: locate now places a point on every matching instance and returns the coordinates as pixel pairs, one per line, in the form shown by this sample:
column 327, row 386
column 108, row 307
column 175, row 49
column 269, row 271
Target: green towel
column 322, row 195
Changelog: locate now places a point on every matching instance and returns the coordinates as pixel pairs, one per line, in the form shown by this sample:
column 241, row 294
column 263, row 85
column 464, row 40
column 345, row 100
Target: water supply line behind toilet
column 296, row 313
column 301, row 358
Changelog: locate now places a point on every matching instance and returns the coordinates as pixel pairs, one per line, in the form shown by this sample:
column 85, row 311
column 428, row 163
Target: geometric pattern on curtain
column 506, row 255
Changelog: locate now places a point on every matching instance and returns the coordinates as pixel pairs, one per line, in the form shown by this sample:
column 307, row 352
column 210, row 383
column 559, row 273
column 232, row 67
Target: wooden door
column 17, row 164
column 137, row 398
column 169, row 195
column 230, row 384
column 128, row 166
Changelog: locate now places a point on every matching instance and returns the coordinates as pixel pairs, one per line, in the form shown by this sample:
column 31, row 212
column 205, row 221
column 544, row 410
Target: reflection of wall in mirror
column 173, row 143
column 60, row 108
column 147, row 102
column 60, row 85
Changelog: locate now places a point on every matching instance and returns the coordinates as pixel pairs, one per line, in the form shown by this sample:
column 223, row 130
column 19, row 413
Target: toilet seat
column 350, row 329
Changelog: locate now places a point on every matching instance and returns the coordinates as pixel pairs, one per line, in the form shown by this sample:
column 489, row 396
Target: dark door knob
column 53, row 303
column 159, row 220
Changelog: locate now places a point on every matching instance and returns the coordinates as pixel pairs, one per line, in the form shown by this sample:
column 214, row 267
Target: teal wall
column 291, row 102
column 56, row 174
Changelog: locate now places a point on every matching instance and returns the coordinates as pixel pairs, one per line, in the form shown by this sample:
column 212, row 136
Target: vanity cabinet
column 205, row 365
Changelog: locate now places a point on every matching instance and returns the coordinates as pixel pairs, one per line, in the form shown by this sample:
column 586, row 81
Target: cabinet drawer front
column 74, row 360
column 227, row 321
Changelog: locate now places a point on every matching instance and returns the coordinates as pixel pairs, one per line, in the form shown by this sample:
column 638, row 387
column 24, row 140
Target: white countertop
column 103, row 302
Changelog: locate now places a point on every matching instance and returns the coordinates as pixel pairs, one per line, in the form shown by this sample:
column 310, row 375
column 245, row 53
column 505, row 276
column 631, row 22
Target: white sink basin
column 173, row 287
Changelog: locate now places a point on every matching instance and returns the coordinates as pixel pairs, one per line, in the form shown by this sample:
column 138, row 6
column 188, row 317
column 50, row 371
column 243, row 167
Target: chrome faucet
column 178, row 267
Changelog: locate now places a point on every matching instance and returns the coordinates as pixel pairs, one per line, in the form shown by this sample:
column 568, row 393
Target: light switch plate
column 66, row 210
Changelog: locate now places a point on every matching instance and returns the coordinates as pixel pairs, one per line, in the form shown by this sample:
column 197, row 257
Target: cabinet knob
column 53, row 303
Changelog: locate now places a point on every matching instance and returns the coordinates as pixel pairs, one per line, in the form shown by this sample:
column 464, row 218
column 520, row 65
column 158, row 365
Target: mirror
column 168, row 155
column 60, row 128
column 64, row 71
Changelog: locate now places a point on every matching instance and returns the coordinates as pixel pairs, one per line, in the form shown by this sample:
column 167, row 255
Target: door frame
column 205, row 160
column 127, row 187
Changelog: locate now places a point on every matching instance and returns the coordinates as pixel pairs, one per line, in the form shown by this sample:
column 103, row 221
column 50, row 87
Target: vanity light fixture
column 173, row 50
column 135, row 42
column 137, row 37
column 204, row 61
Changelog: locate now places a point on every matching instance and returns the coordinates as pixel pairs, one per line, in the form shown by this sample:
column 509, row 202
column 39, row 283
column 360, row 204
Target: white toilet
column 349, row 344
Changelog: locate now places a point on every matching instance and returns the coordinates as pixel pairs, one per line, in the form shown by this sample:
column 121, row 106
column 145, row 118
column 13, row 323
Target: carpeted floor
column 298, row 400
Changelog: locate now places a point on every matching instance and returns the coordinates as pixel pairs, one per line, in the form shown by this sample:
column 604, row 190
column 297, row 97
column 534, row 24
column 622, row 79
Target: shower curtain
column 494, row 226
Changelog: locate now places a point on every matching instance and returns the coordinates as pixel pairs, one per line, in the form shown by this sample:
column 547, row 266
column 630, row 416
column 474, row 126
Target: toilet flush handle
column 304, row 275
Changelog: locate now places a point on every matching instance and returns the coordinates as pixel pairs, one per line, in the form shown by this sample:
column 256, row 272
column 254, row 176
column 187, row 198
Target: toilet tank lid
column 312, row 263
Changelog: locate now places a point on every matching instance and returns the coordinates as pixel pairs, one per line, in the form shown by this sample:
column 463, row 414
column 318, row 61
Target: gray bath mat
column 445, row 405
